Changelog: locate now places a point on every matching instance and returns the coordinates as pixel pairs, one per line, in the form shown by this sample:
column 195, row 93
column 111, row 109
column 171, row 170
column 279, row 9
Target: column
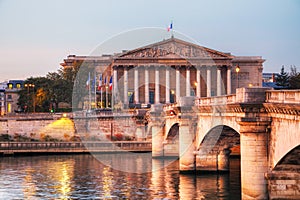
column 188, row 82
column 219, row 81
column 146, row 85
column 125, row 85
column 198, row 79
column 228, row 80
column 167, row 84
column 115, row 82
column 157, row 85
column 177, row 84
column 208, row 81
column 136, row 85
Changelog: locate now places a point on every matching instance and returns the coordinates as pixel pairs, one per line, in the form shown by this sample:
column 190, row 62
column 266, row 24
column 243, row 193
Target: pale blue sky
column 36, row 35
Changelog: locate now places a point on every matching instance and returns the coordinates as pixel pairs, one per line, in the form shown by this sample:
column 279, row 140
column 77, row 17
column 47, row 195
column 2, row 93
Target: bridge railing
column 283, row 96
column 217, row 100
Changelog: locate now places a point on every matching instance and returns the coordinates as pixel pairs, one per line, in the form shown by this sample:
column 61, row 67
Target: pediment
column 174, row 48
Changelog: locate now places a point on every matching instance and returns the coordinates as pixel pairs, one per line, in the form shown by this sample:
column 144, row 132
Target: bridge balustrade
column 283, row 96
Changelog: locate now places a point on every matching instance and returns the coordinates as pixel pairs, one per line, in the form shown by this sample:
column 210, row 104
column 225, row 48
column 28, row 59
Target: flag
column 105, row 82
column 170, row 27
column 100, row 82
column 110, row 83
column 88, row 82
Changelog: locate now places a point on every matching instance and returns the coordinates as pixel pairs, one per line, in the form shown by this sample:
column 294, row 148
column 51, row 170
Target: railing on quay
column 74, row 147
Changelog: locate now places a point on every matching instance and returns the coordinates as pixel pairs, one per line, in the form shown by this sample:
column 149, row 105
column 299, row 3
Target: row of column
column 177, row 89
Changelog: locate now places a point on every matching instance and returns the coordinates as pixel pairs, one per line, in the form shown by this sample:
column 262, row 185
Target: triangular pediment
column 174, row 48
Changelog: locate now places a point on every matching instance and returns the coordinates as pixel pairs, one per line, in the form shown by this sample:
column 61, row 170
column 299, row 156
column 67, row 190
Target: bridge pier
column 214, row 161
column 254, row 158
column 187, row 162
column 157, row 131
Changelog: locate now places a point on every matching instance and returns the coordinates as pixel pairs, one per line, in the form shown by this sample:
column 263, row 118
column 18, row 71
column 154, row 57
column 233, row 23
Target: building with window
column 11, row 95
column 163, row 72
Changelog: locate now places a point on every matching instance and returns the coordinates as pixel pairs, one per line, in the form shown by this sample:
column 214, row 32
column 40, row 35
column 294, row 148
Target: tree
column 294, row 80
column 282, row 79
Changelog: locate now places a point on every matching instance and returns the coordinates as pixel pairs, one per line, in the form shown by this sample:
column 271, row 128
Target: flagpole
column 106, row 95
column 100, row 86
column 172, row 29
column 89, row 92
column 112, row 97
column 95, row 91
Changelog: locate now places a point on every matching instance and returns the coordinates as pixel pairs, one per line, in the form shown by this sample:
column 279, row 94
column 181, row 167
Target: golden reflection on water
column 61, row 173
column 107, row 181
column 29, row 187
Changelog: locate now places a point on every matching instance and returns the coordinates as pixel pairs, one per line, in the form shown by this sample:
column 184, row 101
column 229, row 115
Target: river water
column 85, row 177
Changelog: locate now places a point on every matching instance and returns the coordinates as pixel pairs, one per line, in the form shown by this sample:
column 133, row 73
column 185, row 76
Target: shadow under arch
column 284, row 179
column 217, row 146
column 290, row 162
column 171, row 142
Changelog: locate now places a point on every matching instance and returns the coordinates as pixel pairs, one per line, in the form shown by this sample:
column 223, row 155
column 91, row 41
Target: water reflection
column 83, row 176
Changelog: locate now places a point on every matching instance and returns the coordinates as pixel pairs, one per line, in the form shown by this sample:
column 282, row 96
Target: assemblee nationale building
column 164, row 71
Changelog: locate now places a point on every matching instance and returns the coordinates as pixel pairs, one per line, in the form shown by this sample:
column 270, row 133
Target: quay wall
column 49, row 127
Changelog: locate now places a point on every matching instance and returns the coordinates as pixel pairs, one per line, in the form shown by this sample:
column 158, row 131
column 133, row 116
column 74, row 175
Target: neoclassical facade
column 164, row 71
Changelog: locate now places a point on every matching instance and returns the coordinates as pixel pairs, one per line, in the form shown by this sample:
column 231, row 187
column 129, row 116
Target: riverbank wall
column 70, row 127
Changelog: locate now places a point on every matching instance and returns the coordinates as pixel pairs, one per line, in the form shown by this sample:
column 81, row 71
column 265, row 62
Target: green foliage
column 283, row 78
column 289, row 80
column 294, row 80
column 47, row 92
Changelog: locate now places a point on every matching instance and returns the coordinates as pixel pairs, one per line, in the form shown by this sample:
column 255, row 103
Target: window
column 192, row 92
column 18, row 85
column 130, row 95
column 9, row 97
column 9, row 107
column 151, row 97
column 10, row 86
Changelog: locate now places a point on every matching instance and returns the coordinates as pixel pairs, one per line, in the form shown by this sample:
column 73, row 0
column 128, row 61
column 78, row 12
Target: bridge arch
column 284, row 179
column 290, row 161
column 171, row 141
column 173, row 132
column 284, row 137
column 215, row 148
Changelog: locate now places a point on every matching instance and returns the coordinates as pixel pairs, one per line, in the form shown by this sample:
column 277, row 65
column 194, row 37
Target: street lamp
column 28, row 86
column 237, row 69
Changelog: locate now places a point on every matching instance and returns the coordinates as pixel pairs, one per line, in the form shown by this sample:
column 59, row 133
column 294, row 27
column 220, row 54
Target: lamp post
column 28, row 86
column 237, row 69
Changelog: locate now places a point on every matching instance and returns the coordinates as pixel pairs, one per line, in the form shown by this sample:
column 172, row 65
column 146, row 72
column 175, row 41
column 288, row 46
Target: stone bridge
column 263, row 124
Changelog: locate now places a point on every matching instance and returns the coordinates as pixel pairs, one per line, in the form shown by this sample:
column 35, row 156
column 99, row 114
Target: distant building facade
column 165, row 71
column 10, row 96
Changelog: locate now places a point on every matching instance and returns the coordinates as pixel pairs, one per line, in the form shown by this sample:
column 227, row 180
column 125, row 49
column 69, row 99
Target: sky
column 35, row 36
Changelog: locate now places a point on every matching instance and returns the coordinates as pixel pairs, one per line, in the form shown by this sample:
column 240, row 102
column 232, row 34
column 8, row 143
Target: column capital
column 177, row 67
column 115, row 67
column 252, row 125
column 220, row 67
column 188, row 67
column 126, row 67
column 229, row 67
column 198, row 67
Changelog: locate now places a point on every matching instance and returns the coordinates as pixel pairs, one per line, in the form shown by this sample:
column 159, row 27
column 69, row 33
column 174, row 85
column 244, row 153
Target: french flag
column 88, row 82
column 110, row 83
column 100, row 82
column 170, row 27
